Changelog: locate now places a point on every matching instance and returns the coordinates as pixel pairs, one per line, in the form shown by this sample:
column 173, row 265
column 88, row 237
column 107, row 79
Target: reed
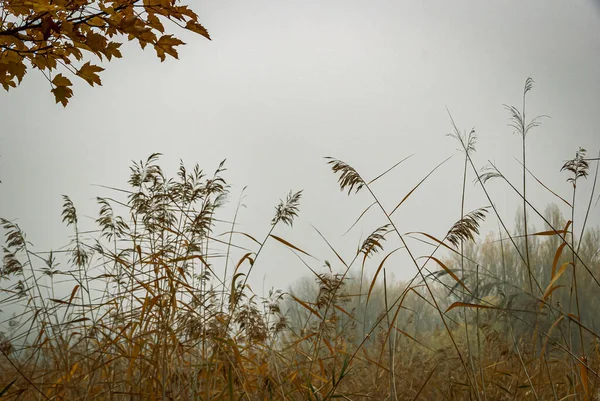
column 154, row 302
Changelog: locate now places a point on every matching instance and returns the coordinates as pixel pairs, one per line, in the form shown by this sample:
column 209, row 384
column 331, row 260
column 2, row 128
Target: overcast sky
column 285, row 83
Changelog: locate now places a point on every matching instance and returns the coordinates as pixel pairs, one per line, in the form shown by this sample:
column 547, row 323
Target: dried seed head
column 288, row 210
column 349, row 177
column 465, row 228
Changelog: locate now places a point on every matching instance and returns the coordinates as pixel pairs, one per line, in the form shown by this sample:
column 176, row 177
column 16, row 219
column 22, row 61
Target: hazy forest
column 154, row 303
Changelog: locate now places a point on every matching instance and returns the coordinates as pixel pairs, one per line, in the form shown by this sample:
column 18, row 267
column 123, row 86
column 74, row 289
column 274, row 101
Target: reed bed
column 157, row 305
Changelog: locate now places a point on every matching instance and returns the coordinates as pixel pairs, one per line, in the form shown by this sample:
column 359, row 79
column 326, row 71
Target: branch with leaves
column 49, row 35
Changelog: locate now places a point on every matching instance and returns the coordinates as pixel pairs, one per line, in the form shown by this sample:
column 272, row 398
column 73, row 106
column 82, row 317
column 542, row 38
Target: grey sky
column 283, row 84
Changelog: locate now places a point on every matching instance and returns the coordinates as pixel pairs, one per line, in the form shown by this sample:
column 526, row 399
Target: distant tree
column 51, row 35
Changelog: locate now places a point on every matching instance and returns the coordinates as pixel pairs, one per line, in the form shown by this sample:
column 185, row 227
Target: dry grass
column 153, row 309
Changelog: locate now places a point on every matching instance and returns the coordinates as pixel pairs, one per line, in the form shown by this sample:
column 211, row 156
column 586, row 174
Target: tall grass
column 149, row 304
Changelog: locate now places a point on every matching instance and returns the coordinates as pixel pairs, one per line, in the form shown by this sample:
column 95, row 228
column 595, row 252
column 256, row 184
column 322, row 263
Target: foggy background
column 283, row 84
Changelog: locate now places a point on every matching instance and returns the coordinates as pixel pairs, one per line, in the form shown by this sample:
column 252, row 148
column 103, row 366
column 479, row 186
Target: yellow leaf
column 67, row 27
column 155, row 23
column 112, row 50
column 7, row 57
column 107, row 10
column 62, row 94
column 197, row 28
column 185, row 10
column 166, row 44
column 75, row 52
column 96, row 21
column 61, row 80
column 81, row 45
column 145, row 36
column 89, row 73
column 17, row 69
column 43, row 61
column 95, row 42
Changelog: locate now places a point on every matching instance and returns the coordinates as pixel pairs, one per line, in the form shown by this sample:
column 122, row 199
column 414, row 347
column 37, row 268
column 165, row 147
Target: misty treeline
column 491, row 268
column 152, row 301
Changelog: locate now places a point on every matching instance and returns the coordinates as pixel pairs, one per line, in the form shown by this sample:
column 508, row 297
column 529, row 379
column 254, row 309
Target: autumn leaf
column 7, row 84
column 110, row 10
column 97, row 22
column 43, row 62
column 75, row 52
column 112, row 50
column 9, row 57
column 40, row 7
column 197, row 28
column 89, row 73
column 95, row 42
column 17, row 8
column 166, row 45
column 48, row 25
column 19, row 70
column 155, row 23
column 61, row 80
column 11, row 67
column 62, row 91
